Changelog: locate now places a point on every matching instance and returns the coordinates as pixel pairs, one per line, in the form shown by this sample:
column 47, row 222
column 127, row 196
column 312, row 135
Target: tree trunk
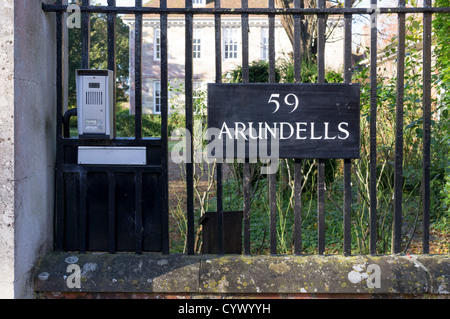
column 308, row 28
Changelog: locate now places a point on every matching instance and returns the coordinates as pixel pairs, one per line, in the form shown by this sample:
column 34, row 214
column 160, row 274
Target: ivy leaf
column 416, row 25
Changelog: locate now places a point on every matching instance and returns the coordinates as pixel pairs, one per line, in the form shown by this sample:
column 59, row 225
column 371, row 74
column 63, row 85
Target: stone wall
column 126, row 275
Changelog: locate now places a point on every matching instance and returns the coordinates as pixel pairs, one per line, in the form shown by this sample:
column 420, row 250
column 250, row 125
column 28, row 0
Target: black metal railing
column 297, row 12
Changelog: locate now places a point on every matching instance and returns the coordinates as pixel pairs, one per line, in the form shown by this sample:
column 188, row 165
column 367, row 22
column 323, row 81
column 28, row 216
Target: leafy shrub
column 151, row 124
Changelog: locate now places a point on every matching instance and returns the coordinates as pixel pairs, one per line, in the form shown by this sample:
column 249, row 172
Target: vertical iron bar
column 246, row 194
column 272, row 177
column 219, row 181
column 85, row 37
column 347, row 207
column 321, row 162
column 246, row 170
column 138, row 211
column 271, row 43
column 273, row 213
column 111, row 20
column 112, row 212
column 164, row 132
column 138, row 123
column 138, row 73
column 321, row 43
column 347, row 162
column 297, row 44
column 298, row 206
column 220, row 233
column 85, row 64
column 348, row 43
column 398, row 162
column 189, row 127
column 321, row 205
column 373, row 131
column 298, row 162
column 245, row 31
column 218, row 42
column 427, row 29
column 59, row 148
column 82, row 222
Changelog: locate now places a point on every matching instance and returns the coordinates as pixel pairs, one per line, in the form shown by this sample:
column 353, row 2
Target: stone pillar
column 7, row 149
column 27, row 139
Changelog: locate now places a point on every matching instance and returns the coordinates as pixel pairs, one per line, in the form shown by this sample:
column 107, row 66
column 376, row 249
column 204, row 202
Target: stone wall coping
column 229, row 274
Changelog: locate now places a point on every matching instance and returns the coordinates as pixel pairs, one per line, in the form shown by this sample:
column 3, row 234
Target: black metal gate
column 131, row 211
column 110, row 207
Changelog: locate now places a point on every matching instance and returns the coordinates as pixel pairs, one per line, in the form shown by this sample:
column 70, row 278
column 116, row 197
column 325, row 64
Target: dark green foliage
column 441, row 142
column 258, row 73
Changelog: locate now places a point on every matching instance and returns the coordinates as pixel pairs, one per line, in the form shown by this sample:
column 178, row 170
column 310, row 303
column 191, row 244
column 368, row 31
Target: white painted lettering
column 301, row 130
column 274, row 132
column 347, row 134
column 251, row 130
column 282, row 124
column 239, row 129
column 227, row 131
column 326, row 132
column 312, row 133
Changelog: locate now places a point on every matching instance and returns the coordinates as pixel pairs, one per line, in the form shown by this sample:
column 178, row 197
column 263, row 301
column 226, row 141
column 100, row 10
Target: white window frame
column 264, row 43
column 197, row 44
column 156, row 97
column 157, row 44
column 230, row 43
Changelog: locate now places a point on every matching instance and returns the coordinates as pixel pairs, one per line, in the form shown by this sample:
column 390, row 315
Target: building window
column 157, row 45
column 264, row 43
column 157, row 97
column 230, row 36
column 198, row 3
column 197, row 44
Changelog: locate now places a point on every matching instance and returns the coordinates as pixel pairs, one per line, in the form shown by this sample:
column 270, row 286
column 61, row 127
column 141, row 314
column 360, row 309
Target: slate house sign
column 305, row 120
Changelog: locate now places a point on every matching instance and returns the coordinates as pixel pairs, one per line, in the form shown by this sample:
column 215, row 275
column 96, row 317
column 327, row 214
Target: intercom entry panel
column 95, row 103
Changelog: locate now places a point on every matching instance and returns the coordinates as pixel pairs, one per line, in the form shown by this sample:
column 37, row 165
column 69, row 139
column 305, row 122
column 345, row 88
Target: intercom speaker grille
column 94, row 98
